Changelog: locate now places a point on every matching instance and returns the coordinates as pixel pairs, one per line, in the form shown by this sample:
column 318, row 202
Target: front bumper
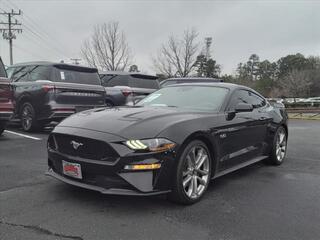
column 5, row 115
column 111, row 191
column 6, row 111
column 109, row 175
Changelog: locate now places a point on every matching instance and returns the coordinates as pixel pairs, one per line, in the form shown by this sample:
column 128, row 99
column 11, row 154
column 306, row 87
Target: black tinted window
column 244, row 96
column 239, row 96
column 39, row 73
column 256, row 100
column 143, row 83
column 74, row 76
column 119, row 80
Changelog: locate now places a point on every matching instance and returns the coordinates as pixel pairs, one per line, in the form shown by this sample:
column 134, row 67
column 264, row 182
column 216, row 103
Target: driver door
column 241, row 136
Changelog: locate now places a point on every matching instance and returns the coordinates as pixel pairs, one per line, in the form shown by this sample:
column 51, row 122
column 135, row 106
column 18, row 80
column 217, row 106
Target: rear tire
column 29, row 122
column 193, row 174
column 109, row 104
column 279, row 147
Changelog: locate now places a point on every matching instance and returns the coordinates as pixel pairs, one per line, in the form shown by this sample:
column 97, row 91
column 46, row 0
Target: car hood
column 129, row 122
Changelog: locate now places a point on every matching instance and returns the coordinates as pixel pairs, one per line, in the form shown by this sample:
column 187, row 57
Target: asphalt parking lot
column 258, row 202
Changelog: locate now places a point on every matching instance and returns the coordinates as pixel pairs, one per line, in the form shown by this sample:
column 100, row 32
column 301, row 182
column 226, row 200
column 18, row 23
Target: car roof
column 192, row 79
column 230, row 86
column 124, row 73
column 48, row 63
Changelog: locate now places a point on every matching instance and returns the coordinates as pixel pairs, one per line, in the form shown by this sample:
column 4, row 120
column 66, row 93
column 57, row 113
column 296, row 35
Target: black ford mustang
column 174, row 141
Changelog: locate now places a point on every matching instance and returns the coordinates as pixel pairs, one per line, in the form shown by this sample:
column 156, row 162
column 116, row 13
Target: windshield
column 202, row 98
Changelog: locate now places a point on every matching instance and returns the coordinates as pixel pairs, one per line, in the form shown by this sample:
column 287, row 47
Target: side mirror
column 243, row 107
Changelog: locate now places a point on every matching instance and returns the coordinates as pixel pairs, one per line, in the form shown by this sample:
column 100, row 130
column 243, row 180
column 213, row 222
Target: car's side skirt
column 229, row 170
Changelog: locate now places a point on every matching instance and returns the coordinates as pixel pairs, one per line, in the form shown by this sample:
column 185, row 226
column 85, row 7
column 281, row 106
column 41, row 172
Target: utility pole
column 8, row 31
column 76, row 61
column 208, row 45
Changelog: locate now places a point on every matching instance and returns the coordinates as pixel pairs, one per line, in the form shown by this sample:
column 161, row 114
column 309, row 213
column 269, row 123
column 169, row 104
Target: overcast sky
column 55, row 30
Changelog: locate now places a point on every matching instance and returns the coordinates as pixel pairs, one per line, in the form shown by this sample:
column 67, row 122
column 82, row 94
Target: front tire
column 279, row 147
column 193, row 174
column 29, row 122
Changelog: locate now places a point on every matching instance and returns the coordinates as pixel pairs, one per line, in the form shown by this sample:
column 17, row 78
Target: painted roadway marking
column 23, row 135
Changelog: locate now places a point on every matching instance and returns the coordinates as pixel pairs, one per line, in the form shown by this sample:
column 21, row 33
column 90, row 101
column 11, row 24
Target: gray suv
column 46, row 91
column 127, row 88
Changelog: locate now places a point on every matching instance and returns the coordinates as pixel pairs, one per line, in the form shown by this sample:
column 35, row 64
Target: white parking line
column 23, row 135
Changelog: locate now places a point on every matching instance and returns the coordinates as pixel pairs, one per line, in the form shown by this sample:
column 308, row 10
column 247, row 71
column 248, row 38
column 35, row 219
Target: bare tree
column 296, row 83
column 107, row 48
column 177, row 57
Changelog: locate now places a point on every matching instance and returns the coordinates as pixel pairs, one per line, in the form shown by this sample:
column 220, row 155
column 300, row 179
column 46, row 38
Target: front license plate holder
column 72, row 169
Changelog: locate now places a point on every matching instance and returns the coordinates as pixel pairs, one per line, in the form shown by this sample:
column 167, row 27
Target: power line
column 34, row 25
column 13, row 4
column 33, row 40
column 39, row 36
column 37, row 31
column 29, row 52
column 35, row 35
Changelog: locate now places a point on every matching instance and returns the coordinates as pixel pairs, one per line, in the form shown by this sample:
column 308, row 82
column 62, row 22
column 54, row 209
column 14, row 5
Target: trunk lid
column 78, row 94
column 76, row 85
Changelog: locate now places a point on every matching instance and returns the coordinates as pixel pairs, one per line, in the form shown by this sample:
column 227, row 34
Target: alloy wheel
column 281, row 145
column 196, row 172
column 26, row 117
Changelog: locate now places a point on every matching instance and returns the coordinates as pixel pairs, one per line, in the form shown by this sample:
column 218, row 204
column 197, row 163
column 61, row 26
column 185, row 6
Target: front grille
column 83, row 147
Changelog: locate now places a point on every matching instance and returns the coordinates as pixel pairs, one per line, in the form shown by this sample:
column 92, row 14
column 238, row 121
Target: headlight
column 152, row 145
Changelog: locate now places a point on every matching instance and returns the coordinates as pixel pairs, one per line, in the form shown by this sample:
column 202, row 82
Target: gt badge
column 223, row 135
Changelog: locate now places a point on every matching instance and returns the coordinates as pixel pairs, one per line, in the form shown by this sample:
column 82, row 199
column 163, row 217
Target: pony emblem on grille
column 76, row 145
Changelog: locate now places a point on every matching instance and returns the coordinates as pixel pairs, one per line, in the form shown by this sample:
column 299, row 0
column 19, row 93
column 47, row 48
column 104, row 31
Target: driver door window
column 256, row 101
column 240, row 96
column 244, row 96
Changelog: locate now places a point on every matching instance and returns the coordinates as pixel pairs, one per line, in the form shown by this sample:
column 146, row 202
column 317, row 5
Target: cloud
column 269, row 28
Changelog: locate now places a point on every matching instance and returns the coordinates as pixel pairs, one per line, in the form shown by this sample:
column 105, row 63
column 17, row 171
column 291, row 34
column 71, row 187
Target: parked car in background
column 312, row 100
column 277, row 100
column 126, row 88
column 6, row 98
column 171, row 81
column 47, row 91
